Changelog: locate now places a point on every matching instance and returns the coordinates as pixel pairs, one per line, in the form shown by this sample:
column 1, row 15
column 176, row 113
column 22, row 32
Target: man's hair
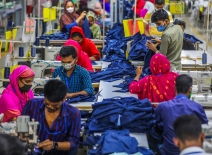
column 76, row 34
column 187, row 127
column 55, row 90
column 159, row 2
column 159, row 15
column 180, row 22
column 183, row 83
column 11, row 145
column 66, row 51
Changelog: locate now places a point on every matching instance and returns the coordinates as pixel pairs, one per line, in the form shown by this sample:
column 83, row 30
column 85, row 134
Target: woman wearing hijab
column 17, row 93
column 83, row 59
column 70, row 19
column 158, row 87
column 87, row 45
column 95, row 29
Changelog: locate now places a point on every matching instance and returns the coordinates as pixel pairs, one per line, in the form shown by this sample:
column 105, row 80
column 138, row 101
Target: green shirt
column 171, row 45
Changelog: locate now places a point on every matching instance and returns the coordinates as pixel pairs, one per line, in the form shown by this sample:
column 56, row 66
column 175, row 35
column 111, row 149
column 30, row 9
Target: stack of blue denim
column 128, row 12
column 115, row 71
column 138, row 49
column 55, row 36
column 116, row 45
column 114, row 141
column 192, row 38
column 81, row 98
column 122, row 113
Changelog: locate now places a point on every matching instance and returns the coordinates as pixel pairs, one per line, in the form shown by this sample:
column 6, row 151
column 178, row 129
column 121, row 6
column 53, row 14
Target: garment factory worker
column 59, row 123
column 152, row 30
column 17, row 93
column 188, row 135
column 95, row 29
column 87, row 45
column 167, row 112
column 187, row 44
column 158, row 87
column 82, row 58
column 171, row 42
column 70, row 19
column 76, row 78
column 99, row 10
column 11, row 145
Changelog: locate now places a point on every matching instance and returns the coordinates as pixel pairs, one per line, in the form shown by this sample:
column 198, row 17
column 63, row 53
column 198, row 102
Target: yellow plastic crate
column 176, row 8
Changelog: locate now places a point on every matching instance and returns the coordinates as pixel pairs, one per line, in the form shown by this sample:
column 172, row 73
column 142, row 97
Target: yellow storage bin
column 49, row 14
column 176, row 8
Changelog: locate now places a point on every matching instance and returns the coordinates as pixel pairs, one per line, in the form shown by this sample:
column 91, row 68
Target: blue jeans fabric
column 128, row 12
column 122, row 113
column 81, row 98
column 86, row 29
column 114, row 141
column 192, row 38
column 115, row 71
column 56, row 36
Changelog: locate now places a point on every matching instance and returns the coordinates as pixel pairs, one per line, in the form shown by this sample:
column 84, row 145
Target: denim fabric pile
column 115, row 71
column 128, row 12
column 115, row 141
column 122, row 113
column 81, row 98
column 116, row 46
column 192, row 38
column 55, row 36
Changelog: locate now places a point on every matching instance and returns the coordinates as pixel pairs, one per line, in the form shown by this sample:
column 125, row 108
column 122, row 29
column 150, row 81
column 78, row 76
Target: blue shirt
column 80, row 79
column 167, row 112
column 66, row 127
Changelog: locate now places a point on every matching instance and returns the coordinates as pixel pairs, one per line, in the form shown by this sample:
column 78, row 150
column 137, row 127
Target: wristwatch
column 55, row 144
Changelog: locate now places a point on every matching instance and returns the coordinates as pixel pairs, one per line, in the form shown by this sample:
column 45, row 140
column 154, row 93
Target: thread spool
column 55, row 25
column 33, row 51
column 21, row 51
column 6, row 72
column 204, row 58
column 47, row 42
column 37, row 41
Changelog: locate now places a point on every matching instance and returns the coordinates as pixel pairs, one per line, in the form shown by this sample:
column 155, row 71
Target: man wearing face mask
column 60, row 123
column 171, row 41
column 76, row 78
column 188, row 135
column 150, row 28
column 167, row 112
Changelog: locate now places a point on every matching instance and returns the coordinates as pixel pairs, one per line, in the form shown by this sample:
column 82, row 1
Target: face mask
column 52, row 110
column 68, row 66
column 25, row 88
column 161, row 28
column 70, row 9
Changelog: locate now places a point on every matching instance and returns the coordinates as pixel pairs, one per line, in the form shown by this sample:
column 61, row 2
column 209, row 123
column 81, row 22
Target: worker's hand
column 70, row 95
column 46, row 145
column 151, row 46
column 157, row 40
column 139, row 70
column 83, row 14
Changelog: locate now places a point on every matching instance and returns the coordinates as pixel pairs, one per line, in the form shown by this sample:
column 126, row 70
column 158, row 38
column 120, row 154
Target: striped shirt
column 66, row 127
column 80, row 79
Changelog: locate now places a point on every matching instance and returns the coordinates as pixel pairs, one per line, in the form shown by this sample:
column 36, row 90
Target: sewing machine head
column 38, row 85
column 51, row 53
column 200, row 78
column 44, row 68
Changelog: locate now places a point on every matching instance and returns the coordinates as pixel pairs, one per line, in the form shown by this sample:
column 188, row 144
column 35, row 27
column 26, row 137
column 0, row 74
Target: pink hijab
column 13, row 100
column 83, row 59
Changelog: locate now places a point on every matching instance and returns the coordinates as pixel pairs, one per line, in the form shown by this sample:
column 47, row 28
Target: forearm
column 137, row 77
column 78, row 20
column 64, row 146
column 77, row 94
column 92, row 58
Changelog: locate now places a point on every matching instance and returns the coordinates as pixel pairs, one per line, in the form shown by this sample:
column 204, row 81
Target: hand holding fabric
column 46, row 145
column 157, row 40
column 139, row 70
column 83, row 14
column 152, row 46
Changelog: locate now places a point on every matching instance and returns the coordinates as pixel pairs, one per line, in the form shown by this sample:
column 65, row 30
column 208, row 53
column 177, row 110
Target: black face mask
column 52, row 110
column 25, row 88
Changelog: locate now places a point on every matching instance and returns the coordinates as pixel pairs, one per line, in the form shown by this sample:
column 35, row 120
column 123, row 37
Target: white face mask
column 70, row 9
column 68, row 66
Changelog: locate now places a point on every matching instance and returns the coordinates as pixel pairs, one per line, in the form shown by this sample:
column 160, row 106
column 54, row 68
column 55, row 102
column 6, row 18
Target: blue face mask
column 161, row 28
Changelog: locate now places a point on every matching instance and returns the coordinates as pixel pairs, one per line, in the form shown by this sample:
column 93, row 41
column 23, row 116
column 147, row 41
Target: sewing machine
column 201, row 78
column 23, row 128
column 44, row 68
column 207, row 144
column 51, row 53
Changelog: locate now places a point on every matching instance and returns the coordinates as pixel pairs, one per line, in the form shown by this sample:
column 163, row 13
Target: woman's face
column 69, row 4
column 25, row 81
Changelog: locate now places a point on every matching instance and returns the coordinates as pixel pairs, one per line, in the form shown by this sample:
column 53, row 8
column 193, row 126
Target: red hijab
column 83, row 59
column 68, row 18
column 87, row 45
column 158, row 87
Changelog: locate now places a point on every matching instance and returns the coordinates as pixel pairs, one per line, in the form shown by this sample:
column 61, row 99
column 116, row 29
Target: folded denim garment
column 192, row 38
column 55, row 36
column 81, row 98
